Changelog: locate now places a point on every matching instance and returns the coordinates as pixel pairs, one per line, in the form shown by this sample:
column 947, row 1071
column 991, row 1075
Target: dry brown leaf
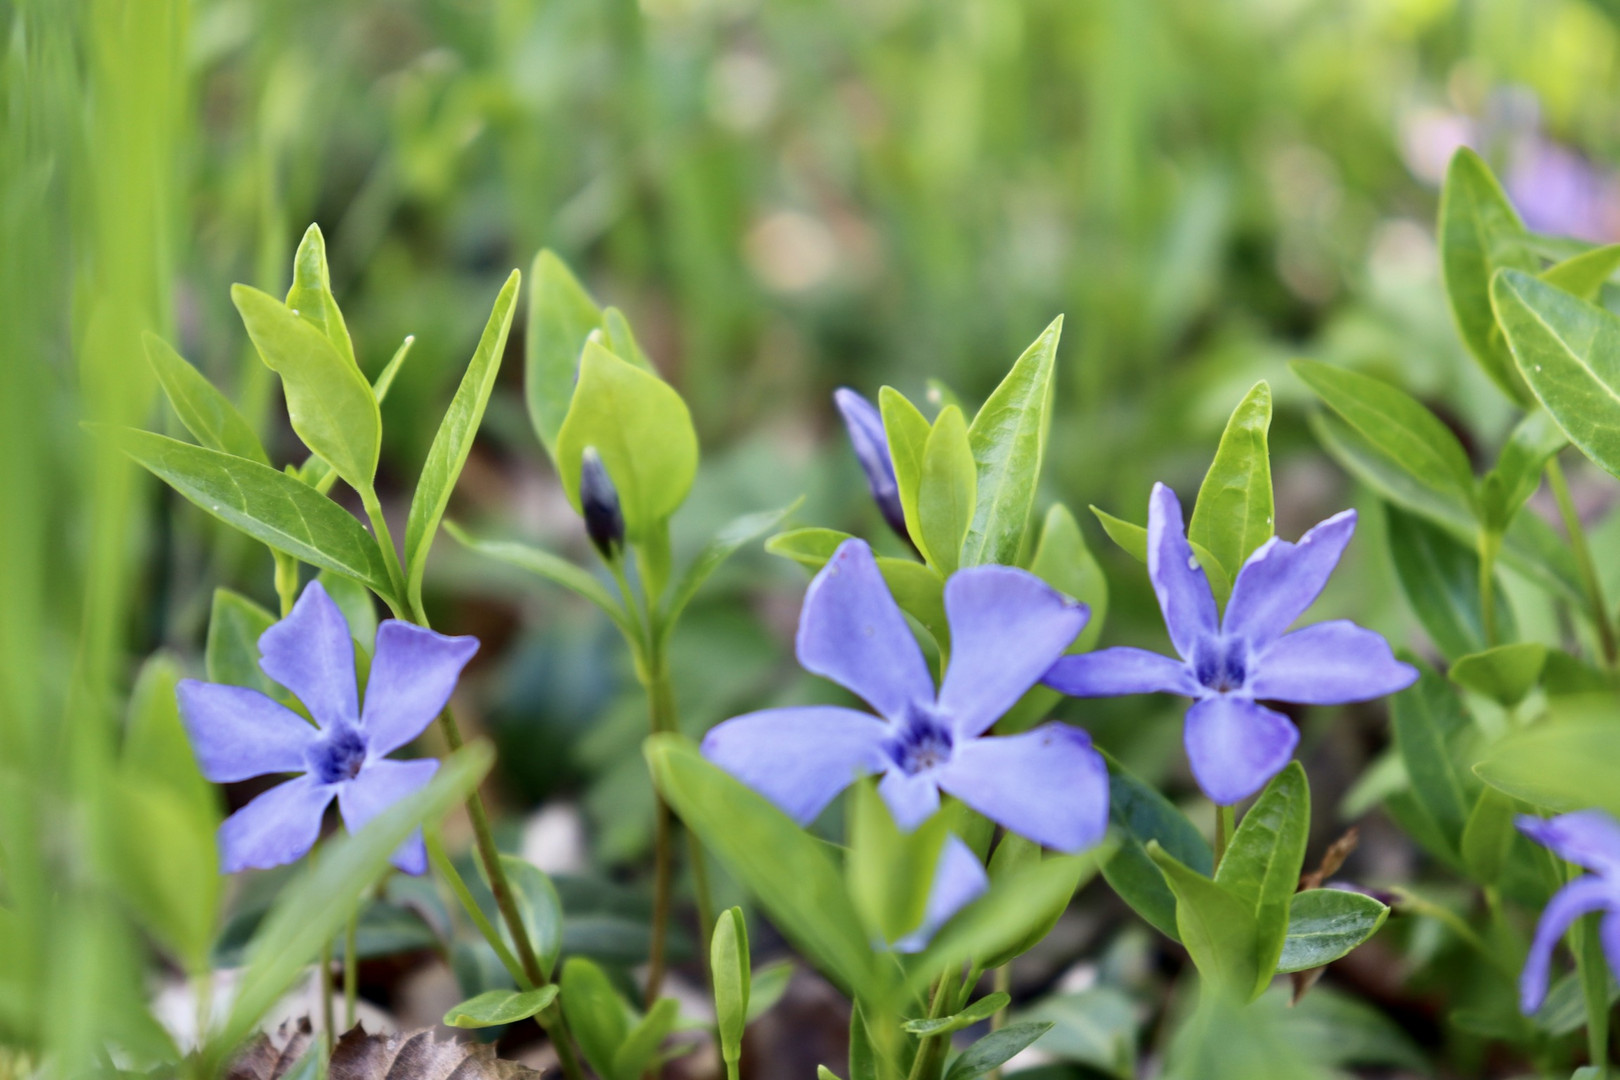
column 419, row 1055
column 269, row 1057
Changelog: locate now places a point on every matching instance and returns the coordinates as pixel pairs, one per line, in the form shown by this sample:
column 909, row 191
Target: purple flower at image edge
column 871, row 442
column 1588, row 838
column 1007, row 626
column 1227, row 665
column 238, row 733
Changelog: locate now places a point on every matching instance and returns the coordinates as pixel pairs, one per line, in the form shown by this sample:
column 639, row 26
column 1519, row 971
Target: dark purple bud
column 866, row 434
column 599, row 503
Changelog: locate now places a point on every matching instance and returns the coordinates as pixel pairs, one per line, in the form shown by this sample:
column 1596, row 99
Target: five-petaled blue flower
column 238, row 732
column 1234, row 744
column 1588, row 838
column 871, row 442
column 1007, row 626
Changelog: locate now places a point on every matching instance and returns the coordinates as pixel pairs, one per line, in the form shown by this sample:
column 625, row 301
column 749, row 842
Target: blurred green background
column 785, row 196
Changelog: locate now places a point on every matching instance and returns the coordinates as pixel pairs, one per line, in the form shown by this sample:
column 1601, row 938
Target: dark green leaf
column 1144, row 815
column 1263, row 862
column 206, row 413
column 947, row 491
column 541, row 909
column 495, row 1007
column 1009, row 441
column 1234, row 513
column 561, row 317
column 1428, row 720
column 1440, row 579
column 1325, row 924
column 454, row 440
column 995, row 1049
column 543, row 563
column 270, row 506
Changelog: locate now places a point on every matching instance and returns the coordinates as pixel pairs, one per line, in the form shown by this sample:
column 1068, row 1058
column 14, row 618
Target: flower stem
column 327, row 1022
column 385, row 541
column 1490, row 542
column 1225, row 826
column 1001, row 981
column 351, row 969
column 1583, row 559
column 930, row 1059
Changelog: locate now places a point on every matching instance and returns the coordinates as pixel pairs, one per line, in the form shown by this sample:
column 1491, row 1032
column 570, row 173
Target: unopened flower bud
column 866, row 434
column 599, row 503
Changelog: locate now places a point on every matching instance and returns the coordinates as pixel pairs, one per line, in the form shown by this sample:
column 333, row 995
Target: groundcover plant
column 948, row 796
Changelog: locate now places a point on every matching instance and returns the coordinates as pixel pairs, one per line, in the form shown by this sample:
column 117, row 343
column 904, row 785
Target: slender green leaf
column 1397, row 424
column 163, row 862
column 1009, row 441
column 540, row 907
column 205, row 412
column 156, row 747
column 1325, row 924
column 561, row 317
column 543, row 563
column 1479, row 233
column 329, row 403
column 907, row 431
column 732, row 536
column 1427, row 720
column 454, row 439
column 1263, row 862
column 642, row 429
column 1234, row 513
column 1517, row 474
column 947, row 491
column 983, row 1009
column 810, row 548
column 598, row 1018
column 385, row 378
column 495, row 1007
column 270, row 506
column 996, row 1049
column 920, row 593
column 641, row 1045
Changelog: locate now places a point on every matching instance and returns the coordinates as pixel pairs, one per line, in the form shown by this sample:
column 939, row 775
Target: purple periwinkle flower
column 238, row 733
column 959, row 879
column 871, row 442
column 1235, row 744
column 1588, row 838
column 1007, row 626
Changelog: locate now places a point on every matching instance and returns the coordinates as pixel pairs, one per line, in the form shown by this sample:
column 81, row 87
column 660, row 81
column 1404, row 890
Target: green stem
column 385, row 541
column 1001, row 981
column 286, row 581
column 931, row 1050
column 327, row 1022
column 1593, row 973
column 451, row 876
column 1490, row 542
column 351, row 970
column 1583, row 559
column 1225, row 826
column 661, row 717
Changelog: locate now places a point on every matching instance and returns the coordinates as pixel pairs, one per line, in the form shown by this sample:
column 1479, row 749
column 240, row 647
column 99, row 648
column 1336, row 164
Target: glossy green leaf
column 642, row 1042
column 1488, row 835
column 561, row 317
column 311, row 911
column 730, row 973
column 1325, row 924
column 1530, row 546
column 983, row 1009
column 1009, row 442
column 890, row 873
column 540, row 907
column 1132, row 539
column 787, row 869
column 1402, row 428
column 1559, row 764
column 1584, row 274
column 947, row 490
column 996, row 1049
column 1263, row 861
column 385, row 378
column 1479, row 233
column 1234, row 513
column 810, row 548
column 557, row 570
column 1569, row 352
column 270, row 506
column 1440, row 578
column 907, row 431
column 1063, row 561
column 1504, row 674
column 1517, row 474
column 1217, row 926
column 311, row 293
column 205, row 412
column 495, row 1007
column 642, row 429
column 1144, row 815
column 454, row 439
column 598, row 1018
column 1427, row 721
column 329, row 403
column 731, row 537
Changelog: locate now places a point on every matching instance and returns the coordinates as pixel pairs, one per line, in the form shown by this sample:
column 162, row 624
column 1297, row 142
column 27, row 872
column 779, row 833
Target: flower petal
column 959, row 879
column 276, row 828
column 800, row 758
column 1121, row 670
column 411, row 678
column 1048, row 785
column 1178, row 580
column 1583, row 895
column 310, row 653
column 913, row 798
column 852, row 632
column 1329, row 663
column 871, row 442
column 1236, row 746
column 380, row 785
column 1280, row 580
column 1007, row 627
column 237, row 732
column 1588, row 838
